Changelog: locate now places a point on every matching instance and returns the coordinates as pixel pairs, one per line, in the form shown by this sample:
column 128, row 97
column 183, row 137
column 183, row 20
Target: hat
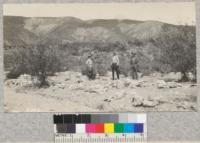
column 115, row 53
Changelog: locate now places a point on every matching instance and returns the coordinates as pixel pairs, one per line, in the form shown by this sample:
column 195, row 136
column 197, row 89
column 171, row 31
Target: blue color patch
column 138, row 128
column 128, row 128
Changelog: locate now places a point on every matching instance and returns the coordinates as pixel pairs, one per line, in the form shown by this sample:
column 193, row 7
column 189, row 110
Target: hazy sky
column 174, row 13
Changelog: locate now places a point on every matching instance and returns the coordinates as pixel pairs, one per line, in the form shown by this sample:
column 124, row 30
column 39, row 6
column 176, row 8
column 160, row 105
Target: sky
column 178, row 13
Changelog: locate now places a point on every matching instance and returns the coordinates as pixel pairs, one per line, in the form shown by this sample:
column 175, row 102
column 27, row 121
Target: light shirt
column 133, row 60
column 89, row 63
column 115, row 60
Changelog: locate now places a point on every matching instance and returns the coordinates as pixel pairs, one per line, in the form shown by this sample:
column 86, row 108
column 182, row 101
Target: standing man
column 115, row 66
column 134, row 65
column 90, row 69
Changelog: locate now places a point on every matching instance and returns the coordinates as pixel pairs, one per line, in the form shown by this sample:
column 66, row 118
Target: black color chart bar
column 58, row 119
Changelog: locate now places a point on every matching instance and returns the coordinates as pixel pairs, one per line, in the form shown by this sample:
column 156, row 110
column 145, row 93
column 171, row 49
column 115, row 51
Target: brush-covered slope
column 15, row 33
column 61, row 30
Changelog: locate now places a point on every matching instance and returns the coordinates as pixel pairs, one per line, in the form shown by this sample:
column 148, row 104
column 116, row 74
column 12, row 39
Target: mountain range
column 61, row 30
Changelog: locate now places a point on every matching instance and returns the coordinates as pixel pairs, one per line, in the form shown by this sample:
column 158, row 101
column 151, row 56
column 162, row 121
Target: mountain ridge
column 61, row 30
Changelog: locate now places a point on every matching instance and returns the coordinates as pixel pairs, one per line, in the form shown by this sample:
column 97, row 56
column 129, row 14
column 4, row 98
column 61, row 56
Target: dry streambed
column 72, row 92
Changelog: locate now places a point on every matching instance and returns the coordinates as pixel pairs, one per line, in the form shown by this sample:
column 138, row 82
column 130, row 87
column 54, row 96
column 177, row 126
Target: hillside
column 15, row 33
column 62, row 30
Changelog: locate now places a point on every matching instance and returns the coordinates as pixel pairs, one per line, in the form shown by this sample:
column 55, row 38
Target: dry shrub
column 18, row 61
column 124, row 66
column 101, row 63
column 40, row 61
column 101, row 70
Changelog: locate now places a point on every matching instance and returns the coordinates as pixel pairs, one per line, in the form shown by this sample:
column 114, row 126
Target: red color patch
column 99, row 128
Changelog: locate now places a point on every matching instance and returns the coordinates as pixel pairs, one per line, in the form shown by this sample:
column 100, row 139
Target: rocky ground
column 72, row 92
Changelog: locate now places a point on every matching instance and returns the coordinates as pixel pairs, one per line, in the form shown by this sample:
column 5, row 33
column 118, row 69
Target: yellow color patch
column 109, row 128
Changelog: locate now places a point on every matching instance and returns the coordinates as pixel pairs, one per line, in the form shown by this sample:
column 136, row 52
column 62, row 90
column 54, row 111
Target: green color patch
column 119, row 128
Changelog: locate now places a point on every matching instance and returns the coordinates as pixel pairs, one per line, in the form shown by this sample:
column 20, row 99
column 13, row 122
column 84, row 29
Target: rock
column 150, row 103
column 107, row 100
column 81, row 79
column 172, row 76
column 161, row 84
column 117, row 84
column 9, row 83
column 56, row 74
column 173, row 85
column 120, row 84
column 127, row 84
column 156, row 74
column 53, row 83
column 139, row 84
column 119, row 95
column 77, row 87
column 90, row 90
column 25, row 77
column 192, row 85
column 137, row 101
column 23, row 80
column 61, row 86
column 140, row 75
column 185, row 105
column 97, row 76
column 105, row 88
column 67, row 79
column 191, row 76
column 100, row 107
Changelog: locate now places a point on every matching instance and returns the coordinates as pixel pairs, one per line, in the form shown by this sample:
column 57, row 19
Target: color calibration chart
column 100, row 128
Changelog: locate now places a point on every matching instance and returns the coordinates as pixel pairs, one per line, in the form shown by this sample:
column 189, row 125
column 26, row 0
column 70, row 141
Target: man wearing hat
column 90, row 69
column 134, row 65
column 115, row 65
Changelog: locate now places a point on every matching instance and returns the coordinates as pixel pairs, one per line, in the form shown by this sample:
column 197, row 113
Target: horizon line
column 118, row 19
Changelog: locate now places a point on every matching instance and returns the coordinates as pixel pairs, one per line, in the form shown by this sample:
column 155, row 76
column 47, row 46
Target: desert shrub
column 124, row 66
column 14, row 73
column 40, row 61
column 178, row 50
column 18, row 61
column 101, row 70
column 44, row 61
column 101, row 62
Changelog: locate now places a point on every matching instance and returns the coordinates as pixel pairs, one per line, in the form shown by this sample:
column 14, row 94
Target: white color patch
column 80, row 128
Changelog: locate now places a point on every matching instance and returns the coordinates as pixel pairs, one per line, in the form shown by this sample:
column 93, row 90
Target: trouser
column 134, row 72
column 115, row 68
column 91, row 73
